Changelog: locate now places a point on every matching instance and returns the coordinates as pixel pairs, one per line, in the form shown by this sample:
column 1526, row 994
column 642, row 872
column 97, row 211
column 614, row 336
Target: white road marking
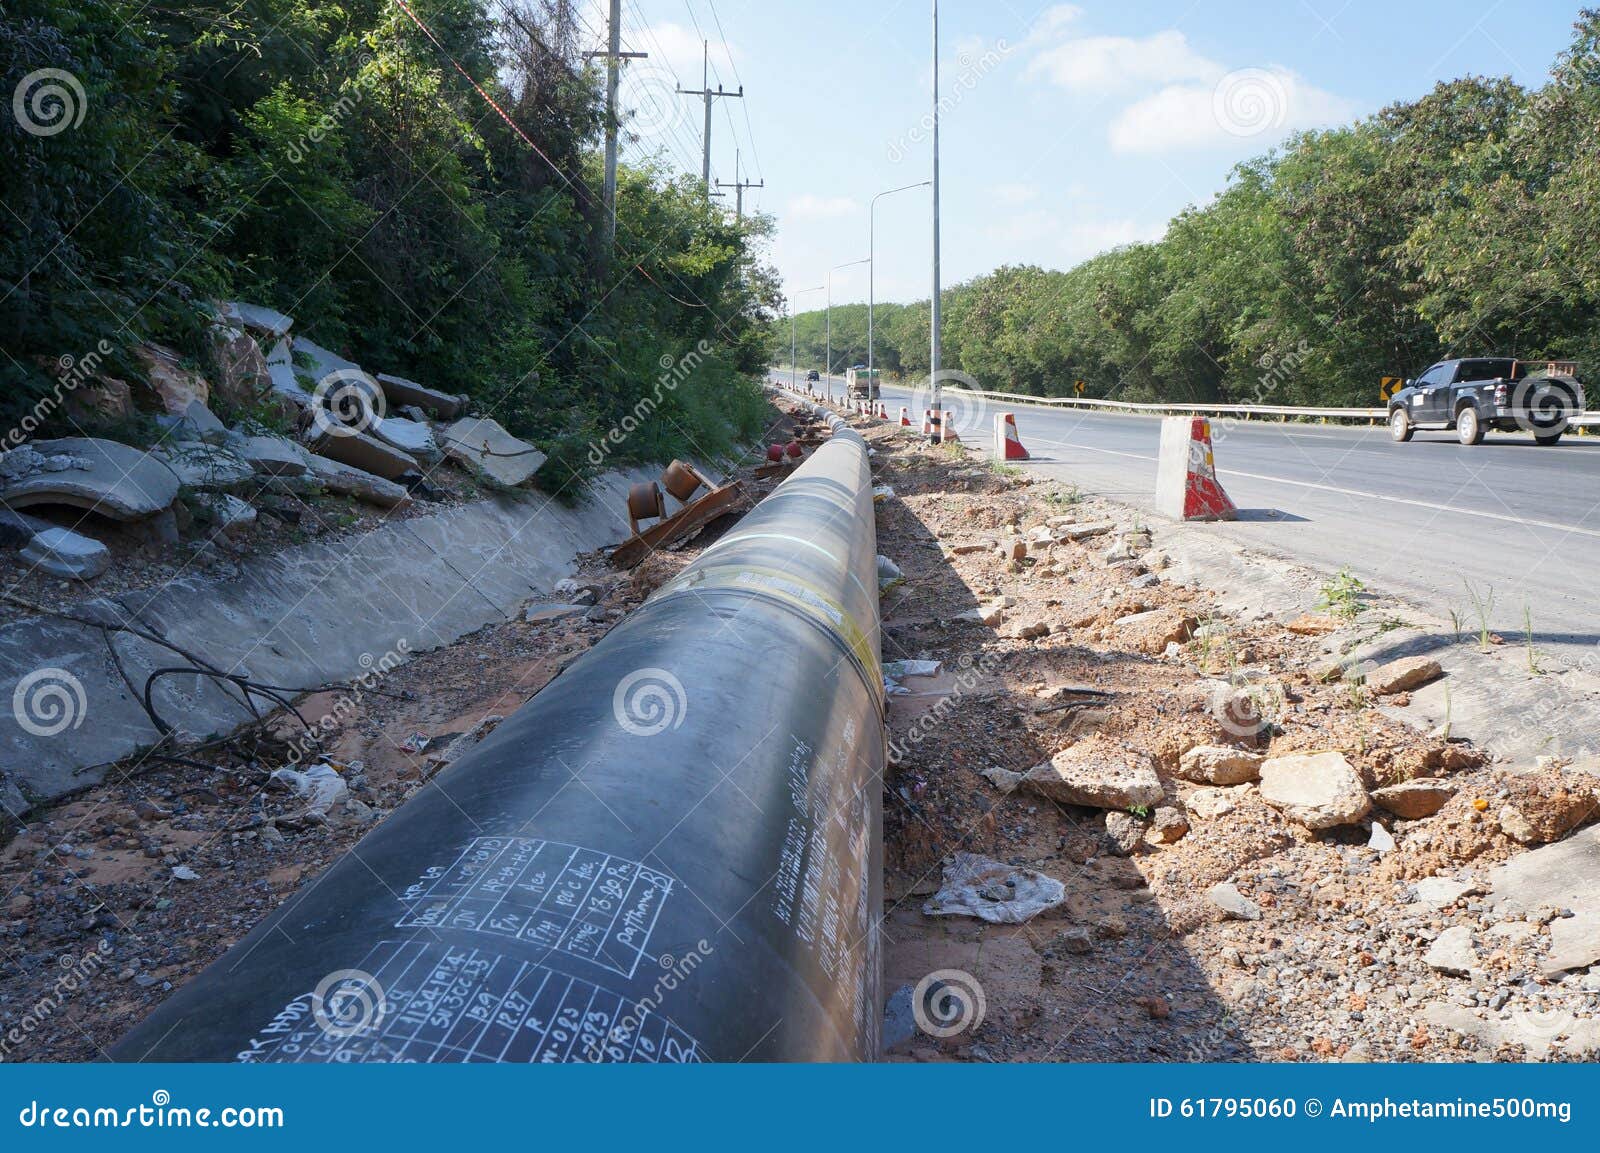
column 1528, row 522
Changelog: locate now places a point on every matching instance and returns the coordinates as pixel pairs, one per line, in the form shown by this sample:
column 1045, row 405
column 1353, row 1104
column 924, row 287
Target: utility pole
column 614, row 56
column 739, row 186
column 705, row 92
column 933, row 317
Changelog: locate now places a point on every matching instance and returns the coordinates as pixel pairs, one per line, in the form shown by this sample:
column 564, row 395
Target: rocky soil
column 1255, row 862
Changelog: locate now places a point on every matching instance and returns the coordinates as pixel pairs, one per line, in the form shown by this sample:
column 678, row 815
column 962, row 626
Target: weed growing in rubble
column 1341, row 596
column 1008, row 471
column 1065, row 498
column 1356, row 695
column 1140, row 811
column 1482, row 608
column 1535, row 668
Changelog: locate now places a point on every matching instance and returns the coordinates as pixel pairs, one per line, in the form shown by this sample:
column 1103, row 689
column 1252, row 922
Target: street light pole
column 933, row 316
column 794, row 372
column 827, row 324
column 872, row 263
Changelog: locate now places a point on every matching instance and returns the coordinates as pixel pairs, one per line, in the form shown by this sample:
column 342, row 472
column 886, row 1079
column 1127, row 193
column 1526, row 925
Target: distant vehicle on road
column 1474, row 395
column 862, row 382
column 813, row 375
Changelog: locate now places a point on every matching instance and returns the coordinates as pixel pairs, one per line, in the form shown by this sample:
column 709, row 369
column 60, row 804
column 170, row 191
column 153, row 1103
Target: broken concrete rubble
column 481, row 444
column 204, row 467
column 368, row 453
column 1403, row 675
column 401, row 391
column 64, row 553
column 357, row 483
column 267, row 321
column 100, row 476
column 273, row 455
column 409, row 437
column 1415, row 799
column 1097, row 774
column 1219, row 765
column 1319, row 790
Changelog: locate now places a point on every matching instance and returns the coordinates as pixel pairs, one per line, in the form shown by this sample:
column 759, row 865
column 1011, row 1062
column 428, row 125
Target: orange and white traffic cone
column 905, row 417
column 1186, row 473
column 947, row 429
column 927, row 422
column 883, row 411
column 1007, row 444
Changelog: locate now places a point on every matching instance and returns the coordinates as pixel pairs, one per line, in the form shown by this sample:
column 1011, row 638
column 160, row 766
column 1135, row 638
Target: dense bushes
column 328, row 159
column 1466, row 222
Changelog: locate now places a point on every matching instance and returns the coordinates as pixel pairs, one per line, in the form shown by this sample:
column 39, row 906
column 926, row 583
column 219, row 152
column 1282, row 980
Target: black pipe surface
column 672, row 852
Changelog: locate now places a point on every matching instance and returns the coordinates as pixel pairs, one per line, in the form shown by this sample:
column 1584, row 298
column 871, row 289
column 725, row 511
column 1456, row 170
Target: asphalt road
column 1420, row 520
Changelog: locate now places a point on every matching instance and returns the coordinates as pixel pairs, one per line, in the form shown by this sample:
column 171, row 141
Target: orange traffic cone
column 947, row 429
column 1007, row 444
column 905, row 417
column 927, row 422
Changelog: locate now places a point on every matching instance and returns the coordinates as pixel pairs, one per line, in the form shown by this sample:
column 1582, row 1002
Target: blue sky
column 1068, row 128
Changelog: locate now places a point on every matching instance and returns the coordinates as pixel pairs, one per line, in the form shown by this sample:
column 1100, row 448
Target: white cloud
column 1042, row 236
column 1181, row 100
column 810, row 206
column 1103, row 64
column 1248, row 108
column 1014, row 195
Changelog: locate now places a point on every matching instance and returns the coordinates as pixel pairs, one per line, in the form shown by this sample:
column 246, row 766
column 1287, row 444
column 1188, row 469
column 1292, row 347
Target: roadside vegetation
column 1464, row 222
column 329, row 160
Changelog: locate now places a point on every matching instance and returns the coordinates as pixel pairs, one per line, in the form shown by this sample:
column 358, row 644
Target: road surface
column 1420, row 521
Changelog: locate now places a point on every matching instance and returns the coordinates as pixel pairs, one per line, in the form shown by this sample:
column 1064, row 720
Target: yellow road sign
column 1390, row 385
column 1077, row 387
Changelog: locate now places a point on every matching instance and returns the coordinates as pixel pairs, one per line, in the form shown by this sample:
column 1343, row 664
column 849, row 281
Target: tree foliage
column 1466, row 222
column 330, row 160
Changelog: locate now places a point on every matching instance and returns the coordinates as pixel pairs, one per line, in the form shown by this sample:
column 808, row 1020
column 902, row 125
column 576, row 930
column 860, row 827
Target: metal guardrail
column 1244, row 411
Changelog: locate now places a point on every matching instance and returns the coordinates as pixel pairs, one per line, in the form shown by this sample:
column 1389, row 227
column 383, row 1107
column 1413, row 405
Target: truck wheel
column 1547, row 438
column 1400, row 429
column 1468, row 428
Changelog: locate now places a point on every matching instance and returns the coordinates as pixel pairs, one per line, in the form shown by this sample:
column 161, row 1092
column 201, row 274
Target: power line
column 750, row 132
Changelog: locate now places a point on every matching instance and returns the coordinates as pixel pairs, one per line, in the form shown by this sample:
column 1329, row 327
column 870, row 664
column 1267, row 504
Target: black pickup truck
column 1477, row 394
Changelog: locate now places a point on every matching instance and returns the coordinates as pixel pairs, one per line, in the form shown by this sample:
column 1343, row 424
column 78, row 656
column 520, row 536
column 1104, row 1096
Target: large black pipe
column 672, row 852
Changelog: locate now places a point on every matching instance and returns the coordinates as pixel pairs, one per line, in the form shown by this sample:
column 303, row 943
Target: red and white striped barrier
column 1186, row 473
column 1007, row 444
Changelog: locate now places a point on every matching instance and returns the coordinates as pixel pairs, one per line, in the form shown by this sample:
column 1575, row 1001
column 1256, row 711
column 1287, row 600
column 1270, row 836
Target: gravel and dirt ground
column 1204, row 921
